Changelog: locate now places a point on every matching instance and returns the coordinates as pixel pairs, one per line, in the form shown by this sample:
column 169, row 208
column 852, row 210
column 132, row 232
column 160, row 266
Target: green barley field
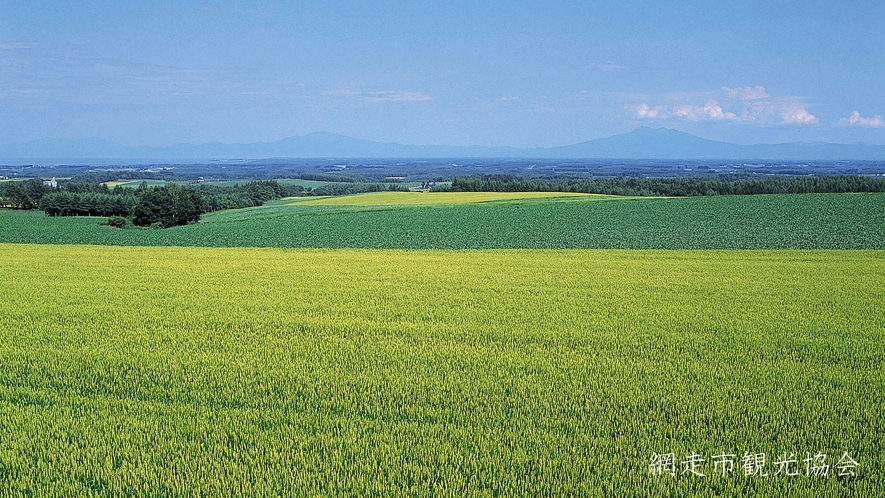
column 179, row 371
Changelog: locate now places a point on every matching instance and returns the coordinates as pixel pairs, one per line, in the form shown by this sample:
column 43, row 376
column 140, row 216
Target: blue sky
column 457, row 72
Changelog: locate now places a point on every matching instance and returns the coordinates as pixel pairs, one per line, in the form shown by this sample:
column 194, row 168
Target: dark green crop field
column 806, row 221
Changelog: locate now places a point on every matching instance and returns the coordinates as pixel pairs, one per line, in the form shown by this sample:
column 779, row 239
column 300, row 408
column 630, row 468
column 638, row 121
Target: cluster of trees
column 87, row 199
column 254, row 193
column 95, row 177
column 354, row 188
column 23, row 195
column 167, row 206
column 334, row 177
column 686, row 186
column 65, row 203
column 164, row 206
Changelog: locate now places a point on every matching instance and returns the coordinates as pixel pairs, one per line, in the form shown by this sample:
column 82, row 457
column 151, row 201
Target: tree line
column 162, row 206
column 676, row 187
column 94, row 177
column 352, row 188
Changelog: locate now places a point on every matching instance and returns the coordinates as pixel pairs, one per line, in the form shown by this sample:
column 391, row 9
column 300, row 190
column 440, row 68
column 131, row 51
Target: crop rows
column 806, row 221
column 364, row 372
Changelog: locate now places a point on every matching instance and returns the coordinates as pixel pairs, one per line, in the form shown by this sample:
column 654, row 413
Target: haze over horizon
column 517, row 74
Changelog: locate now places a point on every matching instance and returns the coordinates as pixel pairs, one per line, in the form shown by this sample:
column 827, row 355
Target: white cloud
column 645, row 111
column 748, row 105
column 747, row 93
column 761, row 108
column 857, row 120
column 711, row 111
column 796, row 113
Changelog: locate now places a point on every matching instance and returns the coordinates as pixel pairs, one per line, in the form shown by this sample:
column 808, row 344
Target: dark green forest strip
column 684, row 186
column 799, row 221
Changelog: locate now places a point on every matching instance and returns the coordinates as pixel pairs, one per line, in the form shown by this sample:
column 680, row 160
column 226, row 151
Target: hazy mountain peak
column 642, row 143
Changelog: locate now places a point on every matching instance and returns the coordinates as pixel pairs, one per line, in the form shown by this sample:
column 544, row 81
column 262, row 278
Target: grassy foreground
column 367, row 372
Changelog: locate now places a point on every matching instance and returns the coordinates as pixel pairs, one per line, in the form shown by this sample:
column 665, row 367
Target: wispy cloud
column 747, row 92
column 608, row 66
column 749, row 105
column 68, row 78
column 392, row 96
column 17, row 45
column 857, row 120
column 380, row 96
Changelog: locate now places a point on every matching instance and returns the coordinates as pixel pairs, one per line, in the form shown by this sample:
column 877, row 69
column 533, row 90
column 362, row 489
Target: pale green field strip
column 135, row 183
column 412, row 198
column 220, row 183
column 181, row 371
column 116, row 183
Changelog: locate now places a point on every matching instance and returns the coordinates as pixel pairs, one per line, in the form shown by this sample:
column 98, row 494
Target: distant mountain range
column 642, row 143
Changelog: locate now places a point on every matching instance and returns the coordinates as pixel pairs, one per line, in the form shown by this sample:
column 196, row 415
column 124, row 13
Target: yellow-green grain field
column 267, row 372
column 413, row 198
